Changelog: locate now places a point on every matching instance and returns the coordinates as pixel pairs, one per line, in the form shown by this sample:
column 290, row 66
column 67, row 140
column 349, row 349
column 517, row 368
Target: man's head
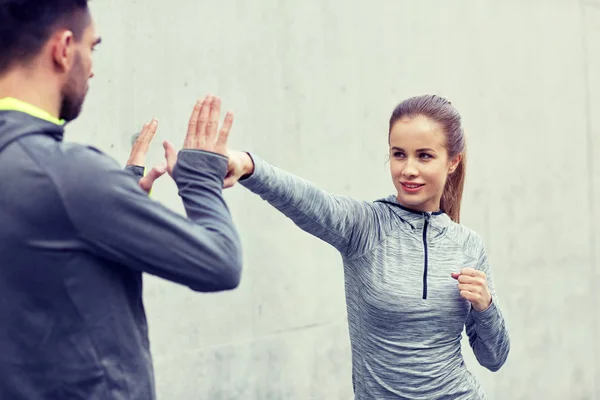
column 50, row 37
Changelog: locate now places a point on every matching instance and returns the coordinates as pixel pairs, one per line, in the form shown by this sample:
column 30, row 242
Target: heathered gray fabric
column 404, row 346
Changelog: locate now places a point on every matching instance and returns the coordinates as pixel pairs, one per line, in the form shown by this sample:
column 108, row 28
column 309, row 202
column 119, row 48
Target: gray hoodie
column 76, row 235
column 405, row 313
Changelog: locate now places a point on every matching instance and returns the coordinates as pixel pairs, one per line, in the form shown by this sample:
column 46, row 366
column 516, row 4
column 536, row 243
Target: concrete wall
column 312, row 84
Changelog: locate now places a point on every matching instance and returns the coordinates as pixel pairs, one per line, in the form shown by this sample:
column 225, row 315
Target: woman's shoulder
column 465, row 237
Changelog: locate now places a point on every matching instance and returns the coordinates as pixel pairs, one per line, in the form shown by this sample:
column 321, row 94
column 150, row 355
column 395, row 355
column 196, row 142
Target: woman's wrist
column 247, row 163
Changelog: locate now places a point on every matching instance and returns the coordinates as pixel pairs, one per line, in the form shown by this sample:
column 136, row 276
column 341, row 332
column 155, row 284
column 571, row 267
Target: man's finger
column 146, row 137
column 148, row 180
column 213, row 121
column 140, row 147
column 192, row 124
column 200, row 137
column 224, row 133
column 142, row 132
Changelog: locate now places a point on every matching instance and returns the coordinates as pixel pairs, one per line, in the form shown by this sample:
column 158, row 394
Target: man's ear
column 455, row 162
column 63, row 50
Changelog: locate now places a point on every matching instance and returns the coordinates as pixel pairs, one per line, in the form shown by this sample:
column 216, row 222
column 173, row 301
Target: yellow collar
column 12, row 104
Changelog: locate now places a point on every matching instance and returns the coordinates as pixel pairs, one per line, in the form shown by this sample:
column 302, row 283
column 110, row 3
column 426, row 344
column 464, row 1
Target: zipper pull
column 427, row 216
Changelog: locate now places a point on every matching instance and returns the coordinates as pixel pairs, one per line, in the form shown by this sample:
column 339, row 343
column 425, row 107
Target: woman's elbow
column 500, row 359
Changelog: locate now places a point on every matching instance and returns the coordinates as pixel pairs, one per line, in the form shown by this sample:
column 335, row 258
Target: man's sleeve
column 118, row 221
column 135, row 171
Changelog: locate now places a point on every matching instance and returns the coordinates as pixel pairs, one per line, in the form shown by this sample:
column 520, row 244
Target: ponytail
column 453, row 191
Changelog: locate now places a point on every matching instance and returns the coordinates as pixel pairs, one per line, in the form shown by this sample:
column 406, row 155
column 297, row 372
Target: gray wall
column 312, row 84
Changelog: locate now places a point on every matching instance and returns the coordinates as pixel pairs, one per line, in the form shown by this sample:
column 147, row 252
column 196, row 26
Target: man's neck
column 31, row 88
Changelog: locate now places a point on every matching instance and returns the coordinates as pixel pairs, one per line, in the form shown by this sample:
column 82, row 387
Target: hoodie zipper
column 427, row 216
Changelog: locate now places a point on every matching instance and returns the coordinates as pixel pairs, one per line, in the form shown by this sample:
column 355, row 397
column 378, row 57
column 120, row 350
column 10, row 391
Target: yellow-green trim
column 12, row 104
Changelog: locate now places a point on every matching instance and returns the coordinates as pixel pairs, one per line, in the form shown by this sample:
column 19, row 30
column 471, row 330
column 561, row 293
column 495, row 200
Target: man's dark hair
column 26, row 25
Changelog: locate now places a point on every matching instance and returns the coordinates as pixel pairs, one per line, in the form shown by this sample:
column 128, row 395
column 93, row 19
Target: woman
column 414, row 277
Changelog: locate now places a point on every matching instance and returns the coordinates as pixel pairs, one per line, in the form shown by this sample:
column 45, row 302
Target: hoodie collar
column 12, row 104
column 416, row 219
column 15, row 124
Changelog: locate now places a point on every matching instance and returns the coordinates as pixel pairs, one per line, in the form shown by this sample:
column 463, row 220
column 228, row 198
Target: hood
column 16, row 124
column 416, row 218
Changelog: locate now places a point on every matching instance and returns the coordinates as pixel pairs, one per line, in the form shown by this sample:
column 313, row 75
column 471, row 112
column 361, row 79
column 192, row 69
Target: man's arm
column 116, row 220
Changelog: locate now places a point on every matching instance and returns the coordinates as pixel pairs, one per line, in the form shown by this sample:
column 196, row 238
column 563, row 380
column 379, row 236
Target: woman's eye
column 426, row 156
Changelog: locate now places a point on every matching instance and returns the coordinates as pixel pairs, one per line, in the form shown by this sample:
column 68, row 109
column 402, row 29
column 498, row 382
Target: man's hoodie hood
column 15, row 124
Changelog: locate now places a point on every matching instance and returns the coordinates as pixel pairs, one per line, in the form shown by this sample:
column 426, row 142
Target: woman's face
column 419, row 162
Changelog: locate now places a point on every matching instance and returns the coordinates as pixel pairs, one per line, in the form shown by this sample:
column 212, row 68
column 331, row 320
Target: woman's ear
column 454, row 162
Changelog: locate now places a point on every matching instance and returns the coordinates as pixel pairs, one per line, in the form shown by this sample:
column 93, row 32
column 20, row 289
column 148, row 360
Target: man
column 77, row 232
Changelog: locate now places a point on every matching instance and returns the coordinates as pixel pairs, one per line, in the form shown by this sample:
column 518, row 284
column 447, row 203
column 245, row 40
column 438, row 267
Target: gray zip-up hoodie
column 405, row 312
column 76, row 234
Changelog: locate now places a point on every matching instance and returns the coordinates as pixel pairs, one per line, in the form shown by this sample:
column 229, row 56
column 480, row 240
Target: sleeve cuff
column 135, row 170
column 254, row 180
column 193, row 164
column 488, row 315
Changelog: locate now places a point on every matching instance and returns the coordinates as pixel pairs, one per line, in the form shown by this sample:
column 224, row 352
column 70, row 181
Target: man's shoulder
column 57, row 156
column 72, row 168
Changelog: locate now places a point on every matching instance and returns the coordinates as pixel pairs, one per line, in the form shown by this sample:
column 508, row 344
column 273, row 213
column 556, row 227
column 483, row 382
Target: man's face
column 76, row 85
